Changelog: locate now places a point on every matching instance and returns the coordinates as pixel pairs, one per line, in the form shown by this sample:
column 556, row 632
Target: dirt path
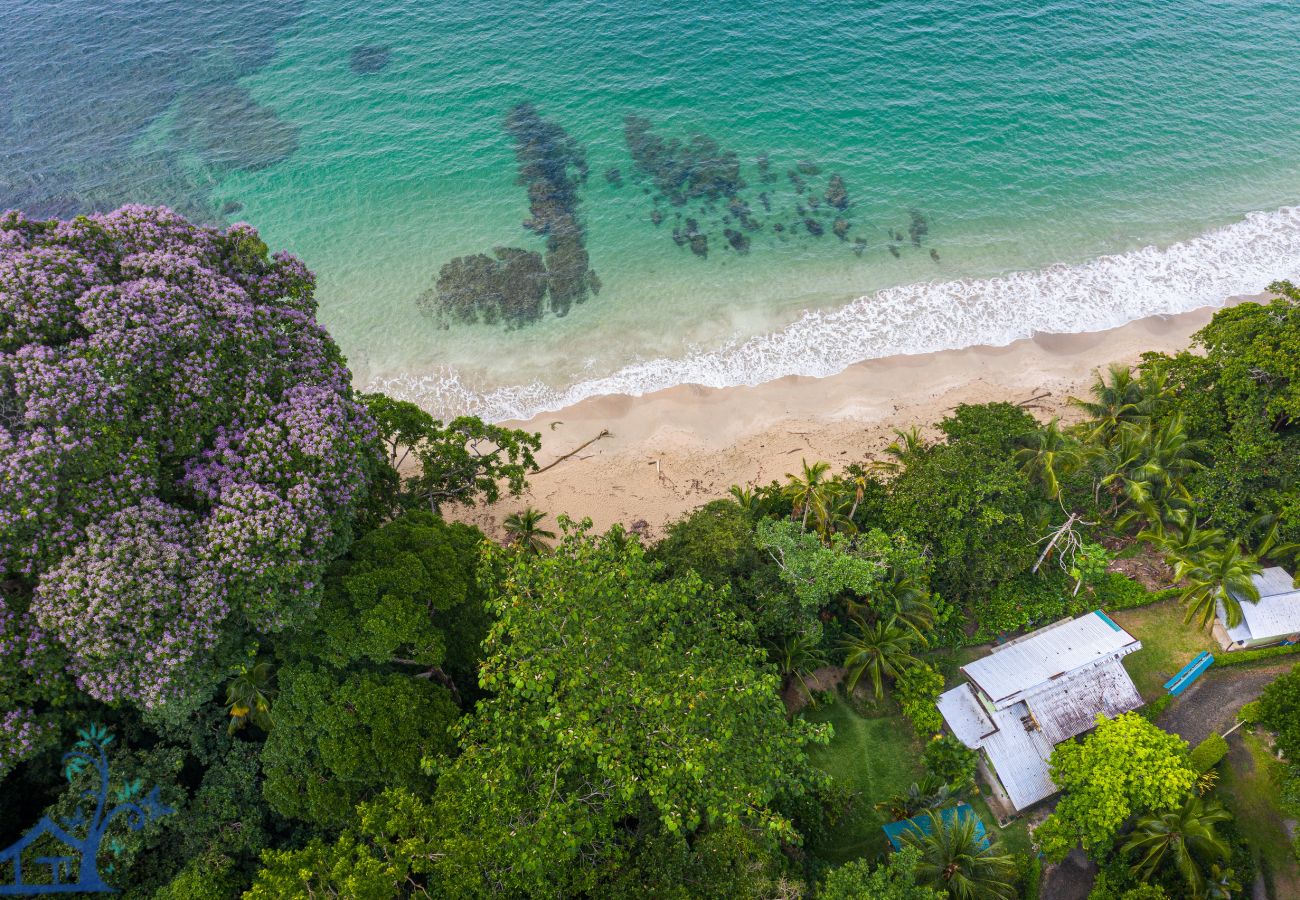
column 1211, row 705
column 1069, row 880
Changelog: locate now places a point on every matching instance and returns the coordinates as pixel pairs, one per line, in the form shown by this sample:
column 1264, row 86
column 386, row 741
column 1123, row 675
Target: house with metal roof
column 1274, row 619
column 1031, row 693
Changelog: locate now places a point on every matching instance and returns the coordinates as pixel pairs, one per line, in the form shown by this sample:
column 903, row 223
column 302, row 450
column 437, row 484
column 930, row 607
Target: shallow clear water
column 1032, row 138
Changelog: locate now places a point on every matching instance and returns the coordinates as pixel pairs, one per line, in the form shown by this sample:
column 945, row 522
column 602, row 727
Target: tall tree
column 526, row 531
column 883, row 649
column 1184, row 838
column 1222, row 574
column 956, row 857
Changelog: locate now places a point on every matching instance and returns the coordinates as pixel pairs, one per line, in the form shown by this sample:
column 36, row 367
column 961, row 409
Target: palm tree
column 248, row 697
column 1221, row 574
column 525, row 531
column 796, row 655
column 884, row 648
column 810, row 491
column 959, row 859
column 931, row 792
column 902, row 600
column 1181, row 537
column 904, row 450
column 1048, row 454
column 1184, row 837
column 1113, row 404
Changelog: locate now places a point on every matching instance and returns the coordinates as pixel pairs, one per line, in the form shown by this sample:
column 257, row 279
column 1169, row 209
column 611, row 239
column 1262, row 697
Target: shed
column 1273, row 620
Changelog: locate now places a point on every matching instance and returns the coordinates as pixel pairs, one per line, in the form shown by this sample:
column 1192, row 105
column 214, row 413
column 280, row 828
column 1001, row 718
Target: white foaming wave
column 1103, row 293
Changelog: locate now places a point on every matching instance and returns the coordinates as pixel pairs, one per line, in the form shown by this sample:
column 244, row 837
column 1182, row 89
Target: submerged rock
column 918, row 228
column 808, row 168
column 229, row 130
column 836, row 195
column 859, row 245
column 893, row 249
column 934, row 254
column 510, row 288
column 814, row 227
column 656, row 216
column 739, row 242
column 368, row 59
column 766, row 201
column 230, row 207
column 697, row 168
column 795, row 180
column 614, row 177
column 841, row 228
column 700, row 245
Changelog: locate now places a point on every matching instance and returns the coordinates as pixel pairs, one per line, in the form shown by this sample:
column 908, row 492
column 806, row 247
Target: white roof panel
column 1032, row 662
column 965, row 716
column 1276, row 615
column 1020, row 757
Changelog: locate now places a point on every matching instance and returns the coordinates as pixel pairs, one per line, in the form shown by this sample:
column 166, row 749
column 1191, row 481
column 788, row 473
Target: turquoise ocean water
column 1074, row 164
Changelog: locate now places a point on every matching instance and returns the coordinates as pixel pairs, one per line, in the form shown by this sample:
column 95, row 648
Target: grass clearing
column 1167, row 644
column 1248, row 786
column 875, row 757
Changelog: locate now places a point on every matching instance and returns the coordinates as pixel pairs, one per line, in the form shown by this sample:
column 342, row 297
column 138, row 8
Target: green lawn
column 874, row 757
column 1167, row 644
column 1249, row 787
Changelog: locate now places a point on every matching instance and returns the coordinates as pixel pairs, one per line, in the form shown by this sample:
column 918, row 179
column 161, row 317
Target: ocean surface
column 798, row 187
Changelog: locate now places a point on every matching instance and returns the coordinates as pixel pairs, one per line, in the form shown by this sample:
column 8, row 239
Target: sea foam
column 1103, row 293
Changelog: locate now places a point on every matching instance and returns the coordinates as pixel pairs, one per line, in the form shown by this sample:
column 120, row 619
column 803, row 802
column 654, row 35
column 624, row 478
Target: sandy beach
column 671, row 451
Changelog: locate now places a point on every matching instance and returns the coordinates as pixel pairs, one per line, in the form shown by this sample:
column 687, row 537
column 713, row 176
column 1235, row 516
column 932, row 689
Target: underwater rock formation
column 656, row 216
column 229, row 130
column 934, row 254
column 836, row 195
column 738, row 240
column 841, row 228
column 614, row 177
column 795, row 180
column 230, row 207
column 510, row 288
column 694, row 169
column 367, row 59
column 814, row 227
column 918, row 229
column 808, row 168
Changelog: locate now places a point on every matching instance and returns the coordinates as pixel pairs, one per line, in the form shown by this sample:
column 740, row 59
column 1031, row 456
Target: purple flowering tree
column 180, row 451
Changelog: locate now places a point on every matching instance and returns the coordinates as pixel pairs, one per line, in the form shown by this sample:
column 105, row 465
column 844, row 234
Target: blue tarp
column 921, row 824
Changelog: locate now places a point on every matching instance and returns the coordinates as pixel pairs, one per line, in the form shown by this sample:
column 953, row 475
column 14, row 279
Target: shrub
column 1025, row 601
column 1207, row 754
column 1250, row 714
column 1153, row 709
column 1116, row 590
column 950, row 759
column 1243, row 657
column 917, row 690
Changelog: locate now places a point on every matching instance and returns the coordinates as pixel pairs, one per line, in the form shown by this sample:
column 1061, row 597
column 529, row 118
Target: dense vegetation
column 214, row 548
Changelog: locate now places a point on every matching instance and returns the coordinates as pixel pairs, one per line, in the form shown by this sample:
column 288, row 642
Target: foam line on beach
column 924, row 317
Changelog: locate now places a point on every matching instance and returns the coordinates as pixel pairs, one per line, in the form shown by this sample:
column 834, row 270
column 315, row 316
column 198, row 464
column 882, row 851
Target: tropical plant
column 526, row 533
column 1114, row 403
column 1048, row 455
column 796, row 656
column 931, row 792
column 876, row 651
column 248, row 697
column 1222, row 574
column 958, row 857
column 908, row 446
column 904, row 600
column 809, row 492
column 1184, row 838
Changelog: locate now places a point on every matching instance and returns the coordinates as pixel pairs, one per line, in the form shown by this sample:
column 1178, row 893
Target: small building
column 1032, row 693
column 920, row 824
column 1275, row 619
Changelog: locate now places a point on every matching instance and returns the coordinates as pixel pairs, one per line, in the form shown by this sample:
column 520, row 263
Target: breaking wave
column 924, row 317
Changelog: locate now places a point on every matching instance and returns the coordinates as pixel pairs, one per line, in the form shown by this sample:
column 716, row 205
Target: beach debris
column 367, row 59
column 614, row 176
column 814, row 227
column 934, row 254
column 841, row 228
column 604, row 433
column 557, row 423
column 836, row 194
column 738, row 240
column 918, row 229
column 893, row 250
column 808, row 168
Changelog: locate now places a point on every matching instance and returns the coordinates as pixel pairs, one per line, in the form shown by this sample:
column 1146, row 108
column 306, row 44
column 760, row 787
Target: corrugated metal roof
column 1031, row 664
column 1276, row 615
column 1020, row 757
column 1072, row 707
column 965, row 716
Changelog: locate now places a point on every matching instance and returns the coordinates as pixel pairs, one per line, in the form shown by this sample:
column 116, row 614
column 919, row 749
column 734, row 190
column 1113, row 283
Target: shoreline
column 675, row 449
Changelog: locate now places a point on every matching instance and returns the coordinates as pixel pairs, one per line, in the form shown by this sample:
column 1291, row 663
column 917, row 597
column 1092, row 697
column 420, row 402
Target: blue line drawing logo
column 82, row 860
